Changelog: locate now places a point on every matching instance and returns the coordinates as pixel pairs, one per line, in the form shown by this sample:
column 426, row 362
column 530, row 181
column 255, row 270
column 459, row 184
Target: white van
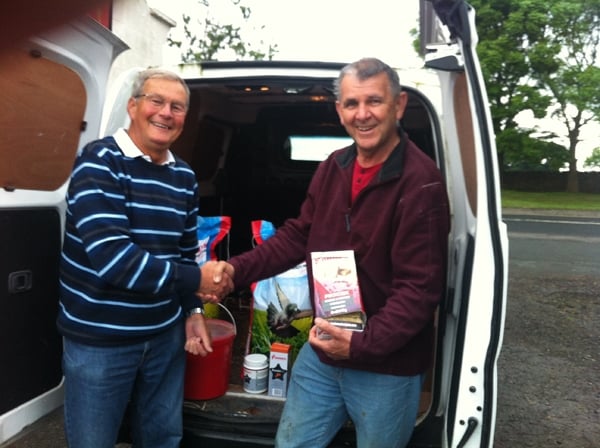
column 241, row 137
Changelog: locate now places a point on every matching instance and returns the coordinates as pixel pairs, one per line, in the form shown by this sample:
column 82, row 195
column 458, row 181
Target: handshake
column 216, row 281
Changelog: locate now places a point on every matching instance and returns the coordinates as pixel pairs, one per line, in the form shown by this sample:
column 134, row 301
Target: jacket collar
column 392, row 167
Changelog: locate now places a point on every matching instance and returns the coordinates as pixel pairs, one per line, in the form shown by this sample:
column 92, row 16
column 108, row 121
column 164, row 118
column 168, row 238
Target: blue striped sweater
column 127, row 265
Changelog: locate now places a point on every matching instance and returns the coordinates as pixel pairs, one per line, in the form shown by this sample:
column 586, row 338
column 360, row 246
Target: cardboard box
column 279, row 369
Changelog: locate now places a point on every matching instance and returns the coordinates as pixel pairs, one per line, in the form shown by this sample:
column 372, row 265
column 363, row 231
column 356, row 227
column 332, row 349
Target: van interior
column 243, row 141
column 246, row 139
column 254, row 144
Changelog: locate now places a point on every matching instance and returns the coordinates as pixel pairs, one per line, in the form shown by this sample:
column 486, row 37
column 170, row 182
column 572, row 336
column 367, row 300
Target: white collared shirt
column 131, row 150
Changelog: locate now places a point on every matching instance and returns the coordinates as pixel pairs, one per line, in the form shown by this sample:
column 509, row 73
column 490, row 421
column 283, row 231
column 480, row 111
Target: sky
column 337, row 31
column 323, row 30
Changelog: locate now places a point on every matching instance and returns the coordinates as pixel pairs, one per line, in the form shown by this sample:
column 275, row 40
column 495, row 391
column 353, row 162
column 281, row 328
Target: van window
column 315, row 148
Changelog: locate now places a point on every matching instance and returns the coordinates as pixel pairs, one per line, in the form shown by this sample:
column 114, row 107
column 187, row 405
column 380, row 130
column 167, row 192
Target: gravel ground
column 549, row 367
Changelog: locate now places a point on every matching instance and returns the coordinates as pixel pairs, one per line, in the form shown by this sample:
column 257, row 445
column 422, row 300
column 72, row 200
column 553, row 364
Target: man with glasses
column 129, row 281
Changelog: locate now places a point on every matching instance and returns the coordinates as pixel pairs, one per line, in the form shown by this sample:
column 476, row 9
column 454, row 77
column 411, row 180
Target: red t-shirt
column 362, row 176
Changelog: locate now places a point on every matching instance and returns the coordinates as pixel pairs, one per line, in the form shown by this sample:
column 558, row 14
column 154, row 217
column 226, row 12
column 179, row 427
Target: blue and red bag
column 212, row 230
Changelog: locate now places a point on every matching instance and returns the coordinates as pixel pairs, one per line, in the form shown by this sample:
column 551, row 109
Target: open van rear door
column 53, row 87
column 473, row 315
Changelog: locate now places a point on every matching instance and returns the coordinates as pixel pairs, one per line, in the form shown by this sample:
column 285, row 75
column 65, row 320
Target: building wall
column 144, row 30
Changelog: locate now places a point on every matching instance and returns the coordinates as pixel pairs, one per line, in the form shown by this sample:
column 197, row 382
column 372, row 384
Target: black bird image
column 280, row 321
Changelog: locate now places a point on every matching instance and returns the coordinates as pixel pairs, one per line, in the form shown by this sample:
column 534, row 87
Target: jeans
column 321, row 398
column 101, row 381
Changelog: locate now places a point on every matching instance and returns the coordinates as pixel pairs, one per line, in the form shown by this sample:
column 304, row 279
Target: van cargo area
column 239, row 139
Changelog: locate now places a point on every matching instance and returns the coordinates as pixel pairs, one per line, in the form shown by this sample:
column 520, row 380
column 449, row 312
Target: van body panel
column 30, row 303
column 480, row 245
column 55, row 87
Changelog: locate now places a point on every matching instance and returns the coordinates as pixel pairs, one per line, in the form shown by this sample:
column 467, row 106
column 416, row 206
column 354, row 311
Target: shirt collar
column 131, row 150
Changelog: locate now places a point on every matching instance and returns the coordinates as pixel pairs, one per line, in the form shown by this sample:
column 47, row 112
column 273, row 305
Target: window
column 315, row 148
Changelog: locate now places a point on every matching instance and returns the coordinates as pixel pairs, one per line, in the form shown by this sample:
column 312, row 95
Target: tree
column 566, row 64
column 205, row 39
column 525, row 153
column 542, row 56
column 505, row 33
column 593, row 161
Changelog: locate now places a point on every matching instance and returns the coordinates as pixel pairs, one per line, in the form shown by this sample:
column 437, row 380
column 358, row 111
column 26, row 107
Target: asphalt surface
column 45, row 433
column 531, row 211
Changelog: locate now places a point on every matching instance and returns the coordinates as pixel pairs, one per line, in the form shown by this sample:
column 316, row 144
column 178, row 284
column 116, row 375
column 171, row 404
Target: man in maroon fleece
column 385, row 199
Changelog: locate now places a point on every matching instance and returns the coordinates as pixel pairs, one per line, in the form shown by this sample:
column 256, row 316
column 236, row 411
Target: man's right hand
column 216, row 281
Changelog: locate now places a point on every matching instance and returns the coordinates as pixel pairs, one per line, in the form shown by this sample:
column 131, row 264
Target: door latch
column 20, row 281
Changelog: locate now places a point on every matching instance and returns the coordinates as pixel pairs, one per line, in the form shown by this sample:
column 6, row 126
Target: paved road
column 558, row 224
column 551, row 242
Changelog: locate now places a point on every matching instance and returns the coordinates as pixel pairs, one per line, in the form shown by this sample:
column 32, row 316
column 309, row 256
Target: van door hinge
column 471, row 425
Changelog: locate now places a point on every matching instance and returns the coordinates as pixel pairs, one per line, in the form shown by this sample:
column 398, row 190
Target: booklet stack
column 337, row 293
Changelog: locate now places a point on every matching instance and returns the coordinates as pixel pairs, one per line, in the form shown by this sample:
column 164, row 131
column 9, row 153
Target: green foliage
column 521, row 152
column 506, row 31
column 416, row 41
column 541, row 56
column 205, row 39
column 263, row 337
column 593, row 161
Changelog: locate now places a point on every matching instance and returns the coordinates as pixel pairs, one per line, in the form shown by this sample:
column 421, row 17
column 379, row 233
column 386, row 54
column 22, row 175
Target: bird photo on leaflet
column 282, row 311
column 280, row 320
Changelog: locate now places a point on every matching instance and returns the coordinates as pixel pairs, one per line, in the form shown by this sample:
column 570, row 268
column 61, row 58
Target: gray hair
column 366, row 68
column 157, row 73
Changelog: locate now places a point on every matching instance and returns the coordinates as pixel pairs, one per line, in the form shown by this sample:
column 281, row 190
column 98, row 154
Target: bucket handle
column 230, row 316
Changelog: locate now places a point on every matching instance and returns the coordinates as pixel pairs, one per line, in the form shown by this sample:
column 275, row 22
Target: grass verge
column 550, row 200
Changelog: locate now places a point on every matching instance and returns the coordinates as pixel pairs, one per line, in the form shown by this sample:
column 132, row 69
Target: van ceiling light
column 318, row 98
column 248, row 89
column 295, row 90
column 264, row 88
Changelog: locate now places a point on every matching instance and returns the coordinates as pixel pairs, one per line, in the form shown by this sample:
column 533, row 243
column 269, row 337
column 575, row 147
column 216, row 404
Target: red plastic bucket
column 207, row 377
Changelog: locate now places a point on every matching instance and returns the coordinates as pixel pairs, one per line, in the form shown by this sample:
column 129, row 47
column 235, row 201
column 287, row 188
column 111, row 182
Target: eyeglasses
column 159, row 102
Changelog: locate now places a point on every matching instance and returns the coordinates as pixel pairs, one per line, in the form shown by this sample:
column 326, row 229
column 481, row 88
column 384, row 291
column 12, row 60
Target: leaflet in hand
column 336, row 289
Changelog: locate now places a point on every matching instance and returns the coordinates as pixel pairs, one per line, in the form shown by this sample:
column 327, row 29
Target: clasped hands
column 216, row 281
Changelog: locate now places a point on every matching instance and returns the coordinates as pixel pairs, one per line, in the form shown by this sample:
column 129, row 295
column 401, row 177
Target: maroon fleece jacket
column 398, row 228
